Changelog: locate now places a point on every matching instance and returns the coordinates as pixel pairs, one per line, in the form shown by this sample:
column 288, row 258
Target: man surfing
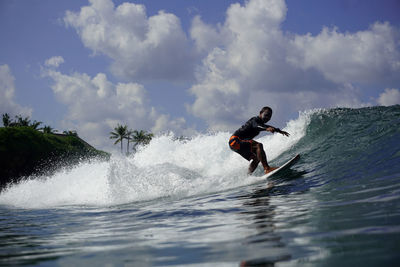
column 242, row 140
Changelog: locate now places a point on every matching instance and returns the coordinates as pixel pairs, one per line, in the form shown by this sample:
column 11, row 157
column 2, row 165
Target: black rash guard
column 251, row 129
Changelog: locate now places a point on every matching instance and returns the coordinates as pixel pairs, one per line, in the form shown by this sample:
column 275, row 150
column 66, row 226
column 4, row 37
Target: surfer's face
column 266, row 115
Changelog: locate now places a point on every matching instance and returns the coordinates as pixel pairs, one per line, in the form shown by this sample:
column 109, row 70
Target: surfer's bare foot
column 270, row 169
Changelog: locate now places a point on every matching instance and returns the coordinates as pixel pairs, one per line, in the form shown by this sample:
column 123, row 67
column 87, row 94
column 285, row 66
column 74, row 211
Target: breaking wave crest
column 167, row 167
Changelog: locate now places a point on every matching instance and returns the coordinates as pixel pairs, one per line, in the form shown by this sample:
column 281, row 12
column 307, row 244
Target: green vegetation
column 24, row 150
column 19, row 122
column 137, row 137
column 141, row 138
column 25, row 122
column 120, row 133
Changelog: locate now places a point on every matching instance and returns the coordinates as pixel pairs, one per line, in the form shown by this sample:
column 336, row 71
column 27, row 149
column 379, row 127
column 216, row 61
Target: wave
column 345, row 134
column 174, row 168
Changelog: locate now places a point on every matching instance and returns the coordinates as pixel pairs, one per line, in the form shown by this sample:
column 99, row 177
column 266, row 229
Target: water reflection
column 262, row 216
column 259, row 211
column 22, row 237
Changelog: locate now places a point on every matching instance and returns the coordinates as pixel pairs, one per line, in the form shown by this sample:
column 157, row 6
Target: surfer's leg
column 253, row 165
column 259, row 149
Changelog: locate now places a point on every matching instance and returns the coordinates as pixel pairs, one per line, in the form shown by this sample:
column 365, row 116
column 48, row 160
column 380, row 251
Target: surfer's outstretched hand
column 282, row 132
column 273, row 130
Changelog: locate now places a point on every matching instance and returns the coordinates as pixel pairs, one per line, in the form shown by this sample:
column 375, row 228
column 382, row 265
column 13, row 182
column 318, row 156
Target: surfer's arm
column 272, row 129
column 269, row 128
column 282, row 132
column 265, row 128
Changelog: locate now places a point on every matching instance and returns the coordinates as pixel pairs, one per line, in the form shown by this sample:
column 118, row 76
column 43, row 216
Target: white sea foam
column 164, row 168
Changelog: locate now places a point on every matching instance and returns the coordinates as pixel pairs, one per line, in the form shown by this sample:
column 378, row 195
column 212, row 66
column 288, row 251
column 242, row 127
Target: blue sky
column 191, row 66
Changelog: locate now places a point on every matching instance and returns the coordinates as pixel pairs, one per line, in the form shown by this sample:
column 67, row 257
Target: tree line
column 20, row 121
column 122, row 133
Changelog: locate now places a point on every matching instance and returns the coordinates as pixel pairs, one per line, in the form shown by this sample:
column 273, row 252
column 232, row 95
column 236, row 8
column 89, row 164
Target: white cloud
column 250, row 62
column 243, row 63
column 54, row 61
column 365, row 56
column 141, row 47
column 206, row 37
column 96, row 105
column 389, row 97
column 7, row 91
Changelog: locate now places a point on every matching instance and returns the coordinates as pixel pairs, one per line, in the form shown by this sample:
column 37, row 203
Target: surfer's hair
column 266, row 108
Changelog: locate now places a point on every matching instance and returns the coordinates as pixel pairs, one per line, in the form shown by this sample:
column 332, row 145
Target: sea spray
column 167, row 167
column 83, row 184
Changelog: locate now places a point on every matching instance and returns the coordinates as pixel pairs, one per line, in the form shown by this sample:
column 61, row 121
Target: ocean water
column 191, row 203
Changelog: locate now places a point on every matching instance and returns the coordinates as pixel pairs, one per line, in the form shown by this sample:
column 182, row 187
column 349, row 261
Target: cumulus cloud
column 141, row 47
column 250, row 62
column 365, row 56
column 54, row 61
column 206, row 37
column 238, row 65
column 7, row 91
column 389, row 97
column 96, row 106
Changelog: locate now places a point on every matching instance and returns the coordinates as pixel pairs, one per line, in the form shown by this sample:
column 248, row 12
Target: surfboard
column 285, row 166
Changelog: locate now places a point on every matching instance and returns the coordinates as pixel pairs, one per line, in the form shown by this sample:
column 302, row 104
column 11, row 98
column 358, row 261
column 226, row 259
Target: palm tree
column 119, row 133
column 35, row 124
column 6, row 120
column 48, row 129
column 20, row 121
column 141, row 138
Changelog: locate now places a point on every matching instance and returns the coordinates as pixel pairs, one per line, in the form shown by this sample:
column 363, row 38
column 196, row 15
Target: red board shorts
column 243, row 147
